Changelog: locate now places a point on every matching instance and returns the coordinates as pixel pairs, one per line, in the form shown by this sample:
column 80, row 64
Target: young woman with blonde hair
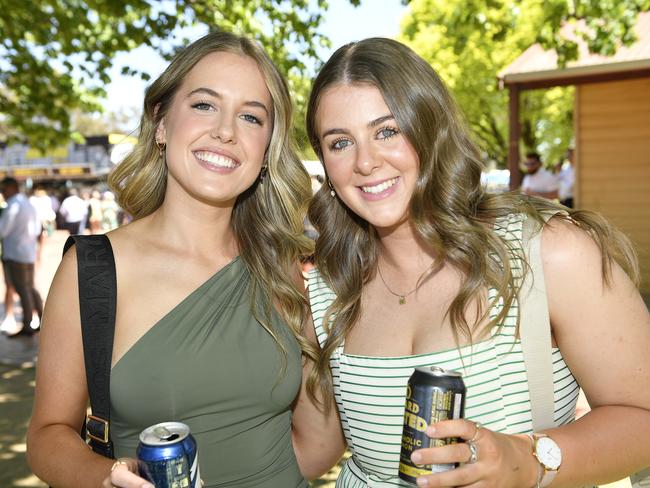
column 417, row 266
column 210, row 310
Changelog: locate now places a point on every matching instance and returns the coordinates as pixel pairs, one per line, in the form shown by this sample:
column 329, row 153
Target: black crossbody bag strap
column 97, row 300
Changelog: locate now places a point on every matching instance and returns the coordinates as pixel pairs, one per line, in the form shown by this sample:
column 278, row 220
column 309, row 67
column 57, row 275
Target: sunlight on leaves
column 29, row 481
column 21, row 447
column 9, row 397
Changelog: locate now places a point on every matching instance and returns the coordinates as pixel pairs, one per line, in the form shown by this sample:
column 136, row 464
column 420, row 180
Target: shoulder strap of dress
column 535, row 329
column 97, row 301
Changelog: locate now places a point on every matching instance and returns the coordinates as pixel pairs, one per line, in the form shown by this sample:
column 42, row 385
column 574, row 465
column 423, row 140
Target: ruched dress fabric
column 371, row 391
column 210, row 364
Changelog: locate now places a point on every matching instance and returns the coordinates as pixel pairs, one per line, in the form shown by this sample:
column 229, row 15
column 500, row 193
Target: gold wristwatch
column 549, row 456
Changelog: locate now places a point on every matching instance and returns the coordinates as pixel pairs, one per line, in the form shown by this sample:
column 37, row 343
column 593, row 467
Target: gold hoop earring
column 332, row 192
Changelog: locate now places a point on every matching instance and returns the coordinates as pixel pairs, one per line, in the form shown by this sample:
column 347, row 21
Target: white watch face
column 548, row 453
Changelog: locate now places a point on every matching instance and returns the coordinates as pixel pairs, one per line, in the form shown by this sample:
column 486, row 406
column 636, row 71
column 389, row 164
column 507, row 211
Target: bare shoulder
column 66, row 274
column 566, row 248
column 127, row 235
column 575, row 283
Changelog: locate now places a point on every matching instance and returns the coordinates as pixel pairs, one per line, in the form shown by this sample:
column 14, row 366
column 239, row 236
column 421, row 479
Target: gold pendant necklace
column 401, row 298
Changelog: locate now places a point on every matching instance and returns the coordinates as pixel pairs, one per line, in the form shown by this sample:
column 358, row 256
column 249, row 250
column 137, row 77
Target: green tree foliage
column 93, row 124
column 55, row 55
column 469, row 42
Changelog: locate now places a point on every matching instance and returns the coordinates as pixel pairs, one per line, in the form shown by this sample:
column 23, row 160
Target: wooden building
column 611, row 130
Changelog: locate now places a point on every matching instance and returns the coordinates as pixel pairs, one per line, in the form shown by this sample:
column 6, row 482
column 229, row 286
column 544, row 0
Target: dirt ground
column 16, row 395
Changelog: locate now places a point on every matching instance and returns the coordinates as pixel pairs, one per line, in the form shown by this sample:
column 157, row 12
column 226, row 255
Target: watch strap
column 545, row 475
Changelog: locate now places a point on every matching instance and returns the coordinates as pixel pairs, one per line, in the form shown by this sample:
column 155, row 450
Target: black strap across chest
column 97, row 301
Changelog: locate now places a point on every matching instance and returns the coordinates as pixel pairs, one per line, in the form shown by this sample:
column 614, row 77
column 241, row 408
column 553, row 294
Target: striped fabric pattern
column 370, row 391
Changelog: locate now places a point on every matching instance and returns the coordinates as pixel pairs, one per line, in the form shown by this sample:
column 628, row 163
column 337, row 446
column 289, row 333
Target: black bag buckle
column 97, row 429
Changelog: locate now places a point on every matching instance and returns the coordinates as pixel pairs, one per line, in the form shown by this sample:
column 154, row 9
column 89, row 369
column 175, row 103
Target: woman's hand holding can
column 486, row 457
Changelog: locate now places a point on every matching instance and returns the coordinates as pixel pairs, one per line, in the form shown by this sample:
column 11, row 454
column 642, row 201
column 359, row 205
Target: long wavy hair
column 268, row 217
column 450, row 209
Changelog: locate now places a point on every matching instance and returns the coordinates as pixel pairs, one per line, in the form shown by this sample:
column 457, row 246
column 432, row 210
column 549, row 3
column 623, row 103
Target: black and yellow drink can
column 432, row 394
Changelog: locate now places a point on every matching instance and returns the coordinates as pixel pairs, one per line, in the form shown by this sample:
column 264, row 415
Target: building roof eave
column 575, row 72
column 577, row 75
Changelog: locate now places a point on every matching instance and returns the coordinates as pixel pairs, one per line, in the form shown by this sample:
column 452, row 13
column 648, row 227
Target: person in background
column 418, row 266
column 566, row 180
column 20, row 229
column 210, row 303
column 316, row 182
column 110, row 212
column 538, row 180
column 95, row 213
column 84, row 225
column 56, row 205
column 74, row 211
column 9, row 326
column 46, row 214
column 309, row 230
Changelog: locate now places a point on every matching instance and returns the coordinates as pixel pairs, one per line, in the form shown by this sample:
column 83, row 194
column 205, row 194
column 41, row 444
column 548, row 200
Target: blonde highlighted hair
column 267, row 218
column 449, row 209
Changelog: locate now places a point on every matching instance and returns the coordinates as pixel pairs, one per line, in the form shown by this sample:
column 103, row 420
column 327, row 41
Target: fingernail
column 431, row 431
column 416, row 457
column 148, row 485
column 423, row 482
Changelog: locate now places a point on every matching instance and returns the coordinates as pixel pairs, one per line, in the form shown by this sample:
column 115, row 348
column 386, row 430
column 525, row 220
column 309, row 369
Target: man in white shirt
column 538, row 180
column 566, row 178
column 43, row 205
column 74, row 211
column 19, row 231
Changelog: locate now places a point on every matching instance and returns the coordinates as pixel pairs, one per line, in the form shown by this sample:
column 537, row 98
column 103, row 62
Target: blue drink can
column 168, row 456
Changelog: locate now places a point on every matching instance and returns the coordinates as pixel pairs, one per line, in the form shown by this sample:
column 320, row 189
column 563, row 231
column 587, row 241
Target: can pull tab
column 164, row 434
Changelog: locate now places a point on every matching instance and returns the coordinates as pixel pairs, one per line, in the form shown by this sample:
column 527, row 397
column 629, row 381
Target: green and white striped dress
column 370, row 391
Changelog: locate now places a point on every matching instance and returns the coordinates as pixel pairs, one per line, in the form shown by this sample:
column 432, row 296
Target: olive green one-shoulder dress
column 210, row 364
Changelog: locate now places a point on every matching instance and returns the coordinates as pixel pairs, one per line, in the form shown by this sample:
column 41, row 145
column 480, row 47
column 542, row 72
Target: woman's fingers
column 464, row 476
column 465, row 429
column 473, row 445
column 124, row 475
column 451, row 453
